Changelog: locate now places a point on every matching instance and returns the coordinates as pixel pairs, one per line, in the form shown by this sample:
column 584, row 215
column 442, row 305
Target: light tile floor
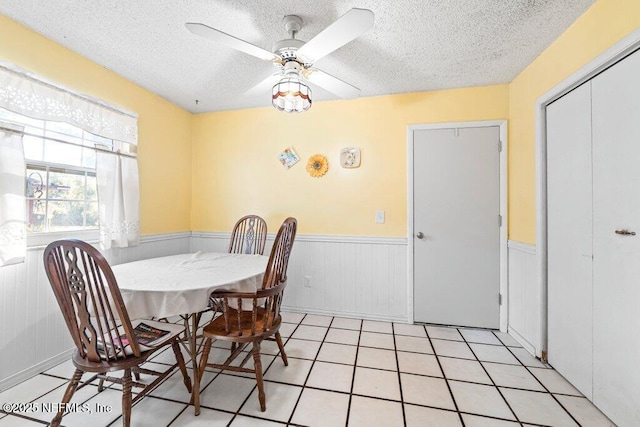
column 342, row 372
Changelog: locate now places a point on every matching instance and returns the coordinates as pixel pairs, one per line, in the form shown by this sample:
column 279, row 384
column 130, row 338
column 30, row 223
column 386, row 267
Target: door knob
column 420, row 235
column 625, row 232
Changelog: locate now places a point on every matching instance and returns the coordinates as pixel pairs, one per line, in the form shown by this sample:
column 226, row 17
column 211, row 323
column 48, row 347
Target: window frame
column 39, row 236
column 43, row 238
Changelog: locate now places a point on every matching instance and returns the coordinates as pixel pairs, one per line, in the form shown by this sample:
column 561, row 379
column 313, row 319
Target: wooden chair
column 251, row 318
column 249, row 236
column 97, row 318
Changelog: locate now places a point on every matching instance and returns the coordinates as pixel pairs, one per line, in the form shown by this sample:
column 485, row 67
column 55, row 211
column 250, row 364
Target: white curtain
column 13, row 243
column 118, row 199
column 25, row 93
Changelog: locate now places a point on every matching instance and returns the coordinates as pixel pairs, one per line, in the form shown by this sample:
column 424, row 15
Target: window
column 55, row 165
column 60, row 199
column 61, row 188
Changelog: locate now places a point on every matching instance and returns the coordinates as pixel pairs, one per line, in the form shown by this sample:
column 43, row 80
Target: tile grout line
column 491, row 379
column 85, row 384
column 358, row 346
column 540, row 382
column 384, row 399
column 353, row 376
column 237, row 375
column 313, row 362
column 264, row 371
column 546, row 389
column 444, row 375
column 24, row 417
column 395, row 351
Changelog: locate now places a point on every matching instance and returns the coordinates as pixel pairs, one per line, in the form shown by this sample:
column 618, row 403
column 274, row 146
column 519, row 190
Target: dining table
column 180, row 285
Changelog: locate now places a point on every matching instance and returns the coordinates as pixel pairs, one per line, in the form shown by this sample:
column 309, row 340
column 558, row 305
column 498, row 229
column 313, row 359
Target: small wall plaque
column 288, row 157
column 350, row 157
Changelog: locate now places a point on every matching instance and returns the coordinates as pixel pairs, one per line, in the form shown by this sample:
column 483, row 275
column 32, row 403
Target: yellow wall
column 164, row 129
column 236, row 171
column 202, row 172
column 605, row 23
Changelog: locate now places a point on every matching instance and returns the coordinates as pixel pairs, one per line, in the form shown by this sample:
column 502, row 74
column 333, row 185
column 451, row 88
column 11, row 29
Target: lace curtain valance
column 29, row 95
column 118, row 190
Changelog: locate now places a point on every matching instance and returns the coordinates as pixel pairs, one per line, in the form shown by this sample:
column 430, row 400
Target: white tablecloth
column 181, row 284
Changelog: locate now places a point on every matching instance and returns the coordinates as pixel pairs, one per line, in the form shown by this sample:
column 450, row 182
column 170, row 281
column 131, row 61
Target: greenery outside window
column 60, row 199
column 61, row 188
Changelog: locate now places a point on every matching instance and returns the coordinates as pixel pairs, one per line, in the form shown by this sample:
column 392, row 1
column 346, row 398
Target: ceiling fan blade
column 332, row 84
column 265, row 86
column 231, row 41
column 348, row 27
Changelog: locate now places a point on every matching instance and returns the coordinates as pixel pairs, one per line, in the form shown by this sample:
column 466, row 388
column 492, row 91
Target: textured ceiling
column 415, row 45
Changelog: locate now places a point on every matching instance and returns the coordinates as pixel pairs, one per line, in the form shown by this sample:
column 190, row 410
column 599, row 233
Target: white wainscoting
column 363, row 277
column 33, row 335
column 524, row 297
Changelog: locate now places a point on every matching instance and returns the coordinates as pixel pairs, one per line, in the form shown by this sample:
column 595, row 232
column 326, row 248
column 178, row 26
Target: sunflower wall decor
column 317, row 165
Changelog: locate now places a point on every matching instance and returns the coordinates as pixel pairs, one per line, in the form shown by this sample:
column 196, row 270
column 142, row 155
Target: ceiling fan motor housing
column 287, row 49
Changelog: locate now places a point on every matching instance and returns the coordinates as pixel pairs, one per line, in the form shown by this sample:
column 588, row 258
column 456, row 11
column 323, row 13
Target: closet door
column 616, row 214
column 569, row 237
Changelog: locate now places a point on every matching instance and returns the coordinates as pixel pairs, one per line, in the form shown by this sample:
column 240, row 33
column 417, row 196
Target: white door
column 456, row 204
column 570, row 237
column 616, row 257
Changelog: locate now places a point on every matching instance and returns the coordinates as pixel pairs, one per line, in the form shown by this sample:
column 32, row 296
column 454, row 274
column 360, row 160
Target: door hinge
column 499, row 220
column 499, row 299
column 499, row 146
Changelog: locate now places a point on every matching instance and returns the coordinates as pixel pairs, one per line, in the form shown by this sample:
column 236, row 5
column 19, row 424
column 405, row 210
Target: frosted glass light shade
column 291, row 95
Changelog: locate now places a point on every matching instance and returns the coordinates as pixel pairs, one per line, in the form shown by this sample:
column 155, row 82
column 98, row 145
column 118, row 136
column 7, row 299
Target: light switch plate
column 379, row 217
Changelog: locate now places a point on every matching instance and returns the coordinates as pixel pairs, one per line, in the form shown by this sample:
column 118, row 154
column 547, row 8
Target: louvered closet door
column 569, row 238
column 616, row 268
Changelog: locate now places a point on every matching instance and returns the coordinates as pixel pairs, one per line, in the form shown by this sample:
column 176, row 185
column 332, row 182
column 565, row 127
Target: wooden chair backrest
column 90, row 300
column 276, row 271
column 249, row 236
column 269, row 297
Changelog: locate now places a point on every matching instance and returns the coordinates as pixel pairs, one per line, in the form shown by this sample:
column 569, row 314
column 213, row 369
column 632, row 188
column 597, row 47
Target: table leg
column 192, row 331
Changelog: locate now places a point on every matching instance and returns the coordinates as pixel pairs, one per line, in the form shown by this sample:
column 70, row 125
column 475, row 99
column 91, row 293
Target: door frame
column 502, row 124
column 606, row 59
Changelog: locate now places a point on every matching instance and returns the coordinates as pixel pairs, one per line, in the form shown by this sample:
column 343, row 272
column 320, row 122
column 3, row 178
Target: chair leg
column 126, row 398
column 198, row 317
column 68, row 394
column 180, row 359
column 257, row 366
column 101, row 385
column 281, row 347
column 204, row 357
column 136, row 375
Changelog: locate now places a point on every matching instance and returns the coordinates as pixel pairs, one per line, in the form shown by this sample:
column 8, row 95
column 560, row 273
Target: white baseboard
column 352, row 315
column 522, row 341
column 35, row 370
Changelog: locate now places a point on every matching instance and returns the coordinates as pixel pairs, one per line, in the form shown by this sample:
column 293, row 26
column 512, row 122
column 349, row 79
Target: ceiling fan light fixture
column 294, row 58
column 291, row 95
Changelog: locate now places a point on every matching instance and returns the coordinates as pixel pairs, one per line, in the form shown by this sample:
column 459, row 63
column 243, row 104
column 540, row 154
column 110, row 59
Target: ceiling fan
column 294, row 58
